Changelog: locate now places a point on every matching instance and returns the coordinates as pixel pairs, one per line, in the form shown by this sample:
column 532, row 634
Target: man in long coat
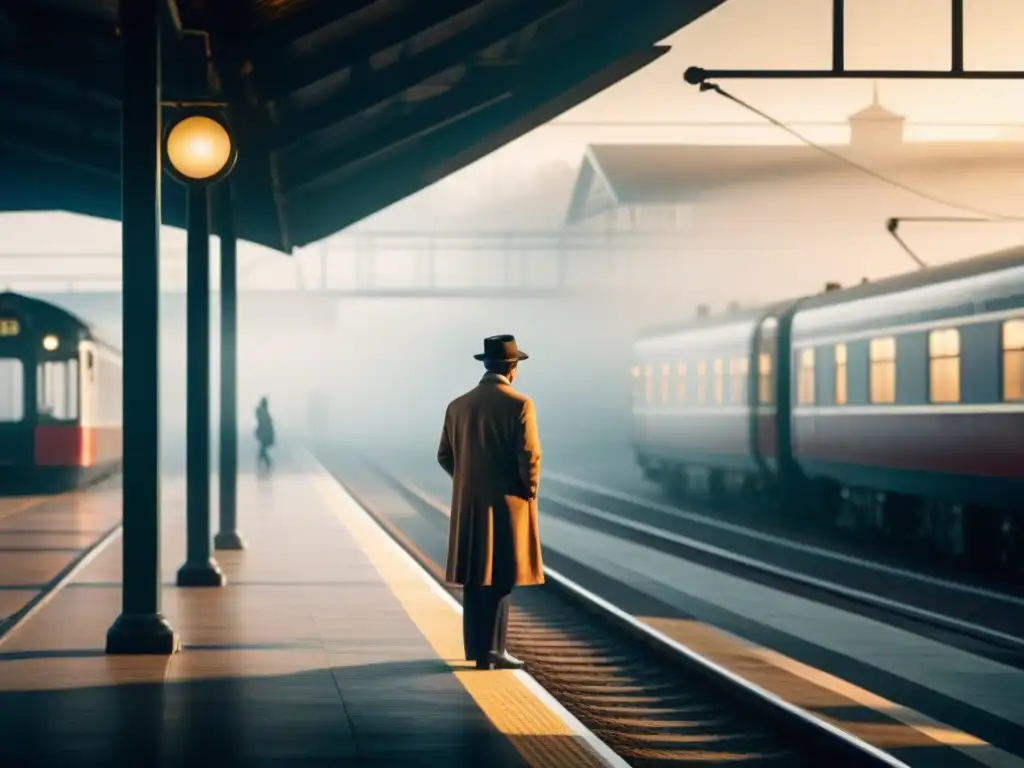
column 491, row 449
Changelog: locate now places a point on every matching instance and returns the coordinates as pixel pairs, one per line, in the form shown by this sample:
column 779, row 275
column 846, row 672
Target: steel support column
column 228, row 536
column 200, row 568
column 141, row 628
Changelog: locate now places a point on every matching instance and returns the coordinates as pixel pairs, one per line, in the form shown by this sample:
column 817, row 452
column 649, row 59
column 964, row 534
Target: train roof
column 957, row 270
column 40, row 308
column 710, row 322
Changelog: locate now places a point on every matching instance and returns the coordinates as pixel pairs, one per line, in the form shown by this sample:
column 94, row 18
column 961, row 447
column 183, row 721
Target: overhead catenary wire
column 981, row 212
column 981, row 215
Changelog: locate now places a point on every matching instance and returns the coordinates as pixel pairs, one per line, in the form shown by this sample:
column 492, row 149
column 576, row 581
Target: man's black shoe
column 505, row 661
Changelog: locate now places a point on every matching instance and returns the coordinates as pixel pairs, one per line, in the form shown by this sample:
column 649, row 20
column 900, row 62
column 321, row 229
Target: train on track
column 894, row 406
column 60, row 398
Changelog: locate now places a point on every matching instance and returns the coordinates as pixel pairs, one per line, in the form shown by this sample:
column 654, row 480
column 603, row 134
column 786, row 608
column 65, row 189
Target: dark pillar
column 228, row 536
column 200, row 569
column 141, row 628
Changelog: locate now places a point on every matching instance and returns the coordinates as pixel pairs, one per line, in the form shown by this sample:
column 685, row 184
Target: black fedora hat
column 501, row 349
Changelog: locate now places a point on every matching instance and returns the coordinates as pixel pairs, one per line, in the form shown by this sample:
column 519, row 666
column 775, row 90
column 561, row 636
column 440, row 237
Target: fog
column 387, row 367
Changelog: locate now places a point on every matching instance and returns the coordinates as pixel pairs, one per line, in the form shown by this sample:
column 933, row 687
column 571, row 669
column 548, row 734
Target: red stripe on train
column 58, row 445
column 971, row 443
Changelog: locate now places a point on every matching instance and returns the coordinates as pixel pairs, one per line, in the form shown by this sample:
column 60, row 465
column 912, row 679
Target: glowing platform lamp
column 199, row 150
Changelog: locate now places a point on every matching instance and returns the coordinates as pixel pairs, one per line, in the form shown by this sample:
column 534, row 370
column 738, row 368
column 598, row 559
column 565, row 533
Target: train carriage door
column 88, row 388
column 761, row 393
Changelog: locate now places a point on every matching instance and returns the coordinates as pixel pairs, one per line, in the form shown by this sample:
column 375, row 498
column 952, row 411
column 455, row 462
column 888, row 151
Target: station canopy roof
column 625, row 175
column 339, row 107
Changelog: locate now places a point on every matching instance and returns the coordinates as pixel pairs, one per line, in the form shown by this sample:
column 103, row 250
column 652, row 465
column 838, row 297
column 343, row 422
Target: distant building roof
column 650, row 174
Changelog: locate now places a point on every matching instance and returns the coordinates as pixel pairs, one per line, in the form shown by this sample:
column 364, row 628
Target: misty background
column 388, row 366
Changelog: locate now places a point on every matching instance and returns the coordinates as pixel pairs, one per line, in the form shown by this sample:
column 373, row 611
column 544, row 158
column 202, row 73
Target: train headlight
column 50, row 342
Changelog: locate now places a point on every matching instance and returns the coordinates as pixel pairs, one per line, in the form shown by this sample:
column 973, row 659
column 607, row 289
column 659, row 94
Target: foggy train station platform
column 328, row 646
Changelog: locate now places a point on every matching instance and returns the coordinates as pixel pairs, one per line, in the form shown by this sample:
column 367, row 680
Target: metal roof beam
column 515, row 16
column 289, row 29
column 63, row 148
column 440, row 113
column 280, row 81
column 556, row 84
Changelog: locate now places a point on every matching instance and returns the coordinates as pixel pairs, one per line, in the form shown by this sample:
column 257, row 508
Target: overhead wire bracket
column 956, row 71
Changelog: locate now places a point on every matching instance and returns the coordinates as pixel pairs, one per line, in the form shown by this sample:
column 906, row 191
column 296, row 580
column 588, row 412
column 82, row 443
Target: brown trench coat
column 489, row 445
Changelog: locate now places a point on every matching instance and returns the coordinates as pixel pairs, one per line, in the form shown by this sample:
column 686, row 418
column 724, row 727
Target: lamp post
column 199, row 153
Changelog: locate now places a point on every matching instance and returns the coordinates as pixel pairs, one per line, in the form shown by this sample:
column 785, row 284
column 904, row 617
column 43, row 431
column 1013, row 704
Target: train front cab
column 56, row 425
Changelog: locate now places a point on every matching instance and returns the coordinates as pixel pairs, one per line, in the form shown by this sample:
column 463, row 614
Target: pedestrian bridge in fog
column 524, row 264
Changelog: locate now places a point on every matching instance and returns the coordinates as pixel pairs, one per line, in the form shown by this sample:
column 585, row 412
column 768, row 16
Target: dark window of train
column 702, row 382
column 649, row 384
column 944, row 365
column 663, row 390
column 764, row 378
column 681, row 382
column 738, row 368
column 883, row 370
column 719, row 382
column 57, row 390
column 1013, row 360
column 12, row 390
column 805, row 378
column 841, row 391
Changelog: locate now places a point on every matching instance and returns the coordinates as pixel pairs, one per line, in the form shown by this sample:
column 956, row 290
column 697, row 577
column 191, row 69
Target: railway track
column 990, row 617
column 654, row 702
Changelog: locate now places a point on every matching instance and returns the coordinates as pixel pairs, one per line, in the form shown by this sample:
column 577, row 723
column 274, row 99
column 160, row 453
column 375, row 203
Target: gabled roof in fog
column 340, row 107
column 614, row 175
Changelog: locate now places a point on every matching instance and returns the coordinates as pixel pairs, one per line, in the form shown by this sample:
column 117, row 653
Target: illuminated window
column 719, row 382
column 805, row 378
column 681, row 382
column 841, row 392
column 57, row 390
column 638, row 384
column 12, row 393
column 944, row 365
column 649, row 384
column 738, row 380
column 883, row 370
column 702, row 382
column 1013, row 360
column 764, row 378
column 663, row 390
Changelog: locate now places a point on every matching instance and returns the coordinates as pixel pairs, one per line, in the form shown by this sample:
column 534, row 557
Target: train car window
column 805, row 378
column 12, row 390
column 841, row 384
column 719, row 382
column 638, row 384
column 738, row 368
column 681, row 382
column 1013, row 360
column 764, row 378
column 649, row 384
column 57, row 390
column 944, row 365
column 883, row 370
column 702, row 382
column 664, row 388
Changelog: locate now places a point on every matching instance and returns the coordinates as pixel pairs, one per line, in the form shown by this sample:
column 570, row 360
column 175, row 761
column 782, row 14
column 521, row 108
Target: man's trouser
column 484, row 620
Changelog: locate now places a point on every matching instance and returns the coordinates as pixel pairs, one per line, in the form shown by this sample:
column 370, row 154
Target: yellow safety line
column 537, row 733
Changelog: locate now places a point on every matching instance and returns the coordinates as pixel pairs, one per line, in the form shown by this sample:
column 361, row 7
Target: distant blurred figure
column 489, row 446
column 264, row 436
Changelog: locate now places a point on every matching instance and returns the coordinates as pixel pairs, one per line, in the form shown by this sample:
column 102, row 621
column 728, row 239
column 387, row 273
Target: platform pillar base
column 206, row 574
column 228, row 540
column 142, row 634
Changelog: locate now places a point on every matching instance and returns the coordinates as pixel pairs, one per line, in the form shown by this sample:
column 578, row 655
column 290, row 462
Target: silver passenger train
column 894, row 405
